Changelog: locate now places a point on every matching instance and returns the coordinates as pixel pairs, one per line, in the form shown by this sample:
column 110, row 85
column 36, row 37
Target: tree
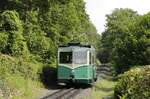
column 11, row 27
column 124, row 40
column 45, row 24
column 118, row 25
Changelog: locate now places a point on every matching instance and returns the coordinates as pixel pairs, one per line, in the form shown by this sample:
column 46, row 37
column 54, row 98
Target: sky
column 97, row 9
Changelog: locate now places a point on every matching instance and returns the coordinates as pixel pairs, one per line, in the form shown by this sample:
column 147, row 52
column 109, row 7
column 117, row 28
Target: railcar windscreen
column 80, row 57
column 65, row 57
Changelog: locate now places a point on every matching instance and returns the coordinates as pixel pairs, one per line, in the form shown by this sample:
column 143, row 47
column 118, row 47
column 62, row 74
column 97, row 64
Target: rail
column 63, row 94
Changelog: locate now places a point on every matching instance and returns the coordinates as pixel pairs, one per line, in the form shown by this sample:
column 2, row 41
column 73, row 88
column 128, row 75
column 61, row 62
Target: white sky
column 97, row 9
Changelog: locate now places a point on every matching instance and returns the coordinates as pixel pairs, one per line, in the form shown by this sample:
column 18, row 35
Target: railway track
column 70, row 93
column 63, row 94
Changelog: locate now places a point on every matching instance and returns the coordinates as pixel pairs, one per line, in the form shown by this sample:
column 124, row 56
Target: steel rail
column 63, row 94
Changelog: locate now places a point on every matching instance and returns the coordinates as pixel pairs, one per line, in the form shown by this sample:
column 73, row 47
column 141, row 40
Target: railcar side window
column 80, row 57
column 90, row 58
column 65, row 57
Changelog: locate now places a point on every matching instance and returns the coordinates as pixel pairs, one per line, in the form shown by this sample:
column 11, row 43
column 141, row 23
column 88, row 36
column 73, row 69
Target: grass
column 18, row 78
column 103, row 88
column 16, row 87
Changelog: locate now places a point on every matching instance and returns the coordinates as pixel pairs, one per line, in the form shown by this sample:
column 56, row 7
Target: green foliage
column 16, row 87
column 126, row 39
column 134, row 84
column 3, row 41
column 14, row 70
column 9, row 65
column 103, row 89
column 118, row 26
column 30, row 33
column 38, row 27
column 12, row 26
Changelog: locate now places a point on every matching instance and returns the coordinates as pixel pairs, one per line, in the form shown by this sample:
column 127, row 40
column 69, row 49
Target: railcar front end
column 76, row 64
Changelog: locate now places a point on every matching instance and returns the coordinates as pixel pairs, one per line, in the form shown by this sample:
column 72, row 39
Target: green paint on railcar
column 83, row 72
column 63, row 72
column 80, row 74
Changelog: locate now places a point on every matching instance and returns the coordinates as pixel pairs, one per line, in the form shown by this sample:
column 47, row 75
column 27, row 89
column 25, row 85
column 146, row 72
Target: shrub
column 3, row 41
column 14, row 70
column 11, row 32
column 134, row 84
column 9, row 65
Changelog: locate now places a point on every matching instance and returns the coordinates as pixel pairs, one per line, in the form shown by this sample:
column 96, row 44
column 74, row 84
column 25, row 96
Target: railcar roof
column 77, row 48
column 86, row 46
column 76, row 44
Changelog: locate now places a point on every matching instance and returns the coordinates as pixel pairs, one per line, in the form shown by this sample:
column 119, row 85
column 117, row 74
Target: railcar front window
column 80, row 57
column 65, row 57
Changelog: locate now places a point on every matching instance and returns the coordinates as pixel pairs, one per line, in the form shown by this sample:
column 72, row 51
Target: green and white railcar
column 76, row 63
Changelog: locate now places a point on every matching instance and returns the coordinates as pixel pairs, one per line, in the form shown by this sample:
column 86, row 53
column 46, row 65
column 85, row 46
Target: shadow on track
column 49, row 78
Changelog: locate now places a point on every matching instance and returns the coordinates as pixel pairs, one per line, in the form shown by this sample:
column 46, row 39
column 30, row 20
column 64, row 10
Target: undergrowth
column 18, row 78
column 134, row 84
column 103, row 88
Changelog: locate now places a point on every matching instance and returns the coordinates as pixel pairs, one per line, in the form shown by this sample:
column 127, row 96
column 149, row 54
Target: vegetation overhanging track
column 63, row 94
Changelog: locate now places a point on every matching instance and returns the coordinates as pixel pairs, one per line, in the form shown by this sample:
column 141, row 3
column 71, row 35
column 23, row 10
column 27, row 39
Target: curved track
column 63, row 94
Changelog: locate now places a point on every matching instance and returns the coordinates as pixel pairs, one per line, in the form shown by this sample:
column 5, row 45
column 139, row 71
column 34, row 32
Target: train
column 76, row 64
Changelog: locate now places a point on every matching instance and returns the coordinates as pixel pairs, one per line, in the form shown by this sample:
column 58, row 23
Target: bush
column 9, row 65
column 16, row 87
column 11, row 31
column 3, row 41
column 134, row 84
column 14, row 70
